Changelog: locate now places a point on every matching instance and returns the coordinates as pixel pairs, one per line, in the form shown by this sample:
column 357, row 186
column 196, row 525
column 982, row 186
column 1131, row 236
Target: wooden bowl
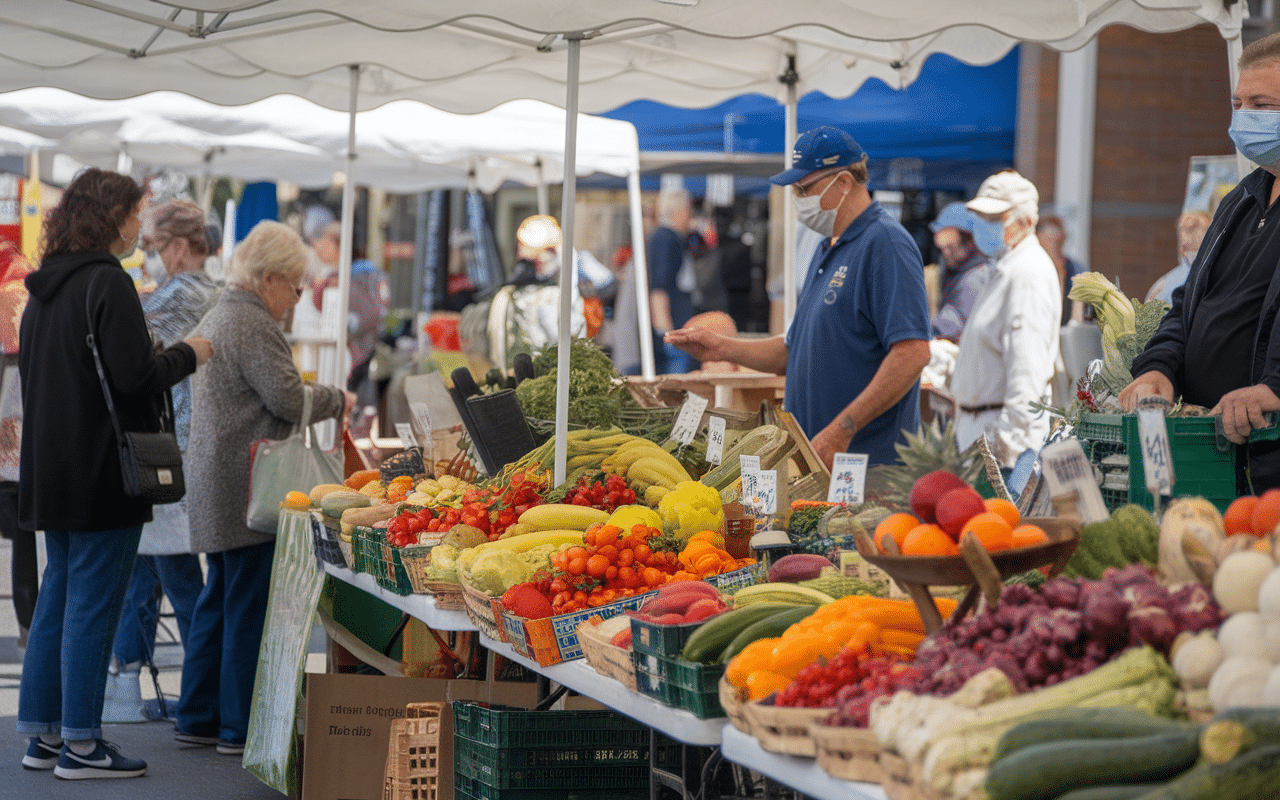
column 1063, row 533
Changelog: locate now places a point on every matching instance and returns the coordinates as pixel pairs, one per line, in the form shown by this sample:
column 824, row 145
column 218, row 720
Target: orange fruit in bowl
column 1266, row 513
column 1238, row 518
column 896, row 526
column 1005, row 509
column 1028, row 535
column 929, row 540
column 991, row 530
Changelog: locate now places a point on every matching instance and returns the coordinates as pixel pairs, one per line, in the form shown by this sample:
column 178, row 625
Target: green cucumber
column 1110, row 722
column 707, row 642
column 769, row 627
column 1235, row 731
column 1128, row 791
column 1045, row 771
column 1252, row 776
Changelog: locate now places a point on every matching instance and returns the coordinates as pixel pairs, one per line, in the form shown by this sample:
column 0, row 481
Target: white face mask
column 810, row 212
column 153, row 266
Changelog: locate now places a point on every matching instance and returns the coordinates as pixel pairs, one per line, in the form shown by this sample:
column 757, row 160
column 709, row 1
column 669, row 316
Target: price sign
column 750, row 468
column 405, row 431
column 689, row 419
column 767, row 491
column 1069, row 473
column 422, row 415
column 848, row 478
column 715, row 439
column 1157, row 459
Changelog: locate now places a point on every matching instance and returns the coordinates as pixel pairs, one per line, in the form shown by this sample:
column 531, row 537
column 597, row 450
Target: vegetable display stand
column 784, row 730
column 852, row 754
column 976, row 568
column 551, row 640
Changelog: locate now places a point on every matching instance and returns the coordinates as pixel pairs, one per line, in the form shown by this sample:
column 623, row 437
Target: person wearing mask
column 860, row 337
column 81, row 291
column 176, row 246
column 1191, row 228
column 672, row 279
column 252, row 391
column 964, row 270
column 1009, row 348
column 1053, row 237
column 1219, row 345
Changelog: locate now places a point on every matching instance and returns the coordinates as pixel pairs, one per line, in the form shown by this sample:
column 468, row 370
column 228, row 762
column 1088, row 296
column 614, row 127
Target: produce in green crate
column 1126, row 325
column 766, row 628
column 1130, row 535
column 707, row 643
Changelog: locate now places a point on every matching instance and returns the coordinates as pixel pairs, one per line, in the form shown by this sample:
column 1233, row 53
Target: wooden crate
column 413, row 754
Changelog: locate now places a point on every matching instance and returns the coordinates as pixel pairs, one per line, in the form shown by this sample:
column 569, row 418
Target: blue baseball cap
column 955, row 215
column 821, row 148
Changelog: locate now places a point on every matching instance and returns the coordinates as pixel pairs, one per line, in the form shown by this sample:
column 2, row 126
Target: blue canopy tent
column 946, row 131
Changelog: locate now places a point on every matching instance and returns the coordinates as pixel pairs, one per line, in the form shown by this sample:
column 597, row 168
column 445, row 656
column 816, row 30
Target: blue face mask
column 1257, row 135
column 988, row 237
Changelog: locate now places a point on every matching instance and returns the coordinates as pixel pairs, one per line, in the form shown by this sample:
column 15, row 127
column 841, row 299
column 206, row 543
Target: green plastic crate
column 506, row 727
column 668, row 754
column 651, row 638
column 683, row 684
column 467, row 788
column 371, row 553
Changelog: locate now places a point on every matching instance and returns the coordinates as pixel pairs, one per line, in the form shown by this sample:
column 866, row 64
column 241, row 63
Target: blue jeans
column 222, row 647
column 181, row 578
column 64, row 673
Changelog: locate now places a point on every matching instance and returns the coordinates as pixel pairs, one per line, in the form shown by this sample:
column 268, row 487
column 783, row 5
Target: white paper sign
column 423, row 416
column 766, row 493
column 689, row 419
column 405, row 431
column 1069, row 472
column 848, row 478
column 715, row 439
column 750, row 468
column 1157, row 459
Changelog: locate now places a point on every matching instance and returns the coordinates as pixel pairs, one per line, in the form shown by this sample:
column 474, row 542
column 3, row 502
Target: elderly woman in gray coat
column 253, row 392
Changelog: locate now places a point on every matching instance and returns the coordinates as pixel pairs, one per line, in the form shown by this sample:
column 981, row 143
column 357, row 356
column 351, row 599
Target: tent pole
column 544, row 201
column 1073, row 170
column 348, row 233
column 1234, row 47
column 568, row 197
column 790, row 78
column 640, row 274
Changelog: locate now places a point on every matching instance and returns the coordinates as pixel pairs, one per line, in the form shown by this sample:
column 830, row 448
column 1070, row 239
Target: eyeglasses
column 298, row 288
column 802, row 190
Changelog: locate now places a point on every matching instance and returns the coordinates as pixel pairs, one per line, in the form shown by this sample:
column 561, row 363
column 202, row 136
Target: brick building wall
column 1161, row 98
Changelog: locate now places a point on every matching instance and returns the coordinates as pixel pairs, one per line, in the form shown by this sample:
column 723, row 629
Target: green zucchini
column 1253, row 776
column 770, row 626
column 1237, row 730
column 1110, row 722
column 1128, row 791
column 707, row 642
column 1045, row 771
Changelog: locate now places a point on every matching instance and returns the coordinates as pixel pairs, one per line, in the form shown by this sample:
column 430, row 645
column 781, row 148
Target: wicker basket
column 784, row 730
column 479, row 607
column 416, row 560
column 734, row 707
column 413, row 754
column 606, row 658
column 851, row 754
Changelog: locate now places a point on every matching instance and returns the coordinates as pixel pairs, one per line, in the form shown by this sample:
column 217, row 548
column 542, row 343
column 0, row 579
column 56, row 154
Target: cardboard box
column 348, row 725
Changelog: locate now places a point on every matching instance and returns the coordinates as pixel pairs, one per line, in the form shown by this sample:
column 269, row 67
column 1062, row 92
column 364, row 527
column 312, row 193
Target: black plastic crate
column 325, row 540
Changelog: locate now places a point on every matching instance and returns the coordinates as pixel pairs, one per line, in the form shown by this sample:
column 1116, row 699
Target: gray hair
column 271, row 248
column 671, row 201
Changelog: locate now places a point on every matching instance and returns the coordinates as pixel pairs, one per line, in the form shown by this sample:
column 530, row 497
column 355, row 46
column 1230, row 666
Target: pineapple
column 932, row 449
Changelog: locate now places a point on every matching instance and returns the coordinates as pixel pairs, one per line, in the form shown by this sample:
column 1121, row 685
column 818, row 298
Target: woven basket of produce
column 784, row 730
column 479, row 607
column 733, row 706
column 851, row 754
column 604, row 657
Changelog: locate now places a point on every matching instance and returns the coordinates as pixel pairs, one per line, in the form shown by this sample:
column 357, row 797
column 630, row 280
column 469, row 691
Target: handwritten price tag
column 750, row 468
column 689, row 419
column 1157, row 459
column 1069, row 472
column 848, row 478
column 405, row 431
column 422, row 415
column 715, row 439
column 767, row 491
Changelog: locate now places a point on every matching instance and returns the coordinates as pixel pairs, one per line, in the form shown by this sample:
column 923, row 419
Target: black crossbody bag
column 151, row 463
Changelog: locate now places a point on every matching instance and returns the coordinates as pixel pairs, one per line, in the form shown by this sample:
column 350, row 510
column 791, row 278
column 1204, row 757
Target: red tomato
column 597, row 565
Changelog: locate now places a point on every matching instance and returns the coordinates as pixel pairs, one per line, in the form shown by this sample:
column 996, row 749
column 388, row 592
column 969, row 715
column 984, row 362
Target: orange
column 1005, row 509
column 991, row 530
column 929, row 540
column 1238, row 518
column 763, row 683
column 1028, row 535
column 1266, row 514
column 897, row 526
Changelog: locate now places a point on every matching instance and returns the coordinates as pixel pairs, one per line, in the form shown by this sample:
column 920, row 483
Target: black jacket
column 70, row 467
column 1166, row 351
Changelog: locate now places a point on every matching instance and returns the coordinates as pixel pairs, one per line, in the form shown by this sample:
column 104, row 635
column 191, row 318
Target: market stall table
column 739, row 391
column 802, row 774
column 419, row 606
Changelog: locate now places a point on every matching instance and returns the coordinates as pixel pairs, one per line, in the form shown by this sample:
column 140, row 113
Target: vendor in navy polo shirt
column 860, row 335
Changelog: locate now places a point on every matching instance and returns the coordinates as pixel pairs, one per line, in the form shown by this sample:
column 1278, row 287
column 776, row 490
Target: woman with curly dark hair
column 70, row 483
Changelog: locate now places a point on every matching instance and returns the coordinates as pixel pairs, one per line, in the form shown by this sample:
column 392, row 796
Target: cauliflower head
column 444, row 564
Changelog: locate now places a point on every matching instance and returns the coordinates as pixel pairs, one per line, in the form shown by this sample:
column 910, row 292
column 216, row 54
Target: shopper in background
column 860, row 336
column 964, row 270
column 1191, row 229
column 24, row 570
column 1009, row 348
column 177, row 245
column 1219, row 346
column 1053, row 237
column 252, row 391
column 91, row 533
column 672, row 279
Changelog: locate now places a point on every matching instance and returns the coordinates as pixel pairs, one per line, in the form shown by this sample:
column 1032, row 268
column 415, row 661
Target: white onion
column 1238, row 579
column 1242, row 635
column 1240, row 680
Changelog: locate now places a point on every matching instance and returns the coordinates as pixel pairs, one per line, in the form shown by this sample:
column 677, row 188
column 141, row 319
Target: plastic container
column 374, row 555
column 325, row 540
column 679, row 683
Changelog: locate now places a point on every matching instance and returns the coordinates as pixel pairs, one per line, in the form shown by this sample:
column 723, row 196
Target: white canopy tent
column 469, row 56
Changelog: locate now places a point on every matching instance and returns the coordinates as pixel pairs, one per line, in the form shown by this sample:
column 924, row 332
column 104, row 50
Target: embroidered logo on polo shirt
column 837, row 280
